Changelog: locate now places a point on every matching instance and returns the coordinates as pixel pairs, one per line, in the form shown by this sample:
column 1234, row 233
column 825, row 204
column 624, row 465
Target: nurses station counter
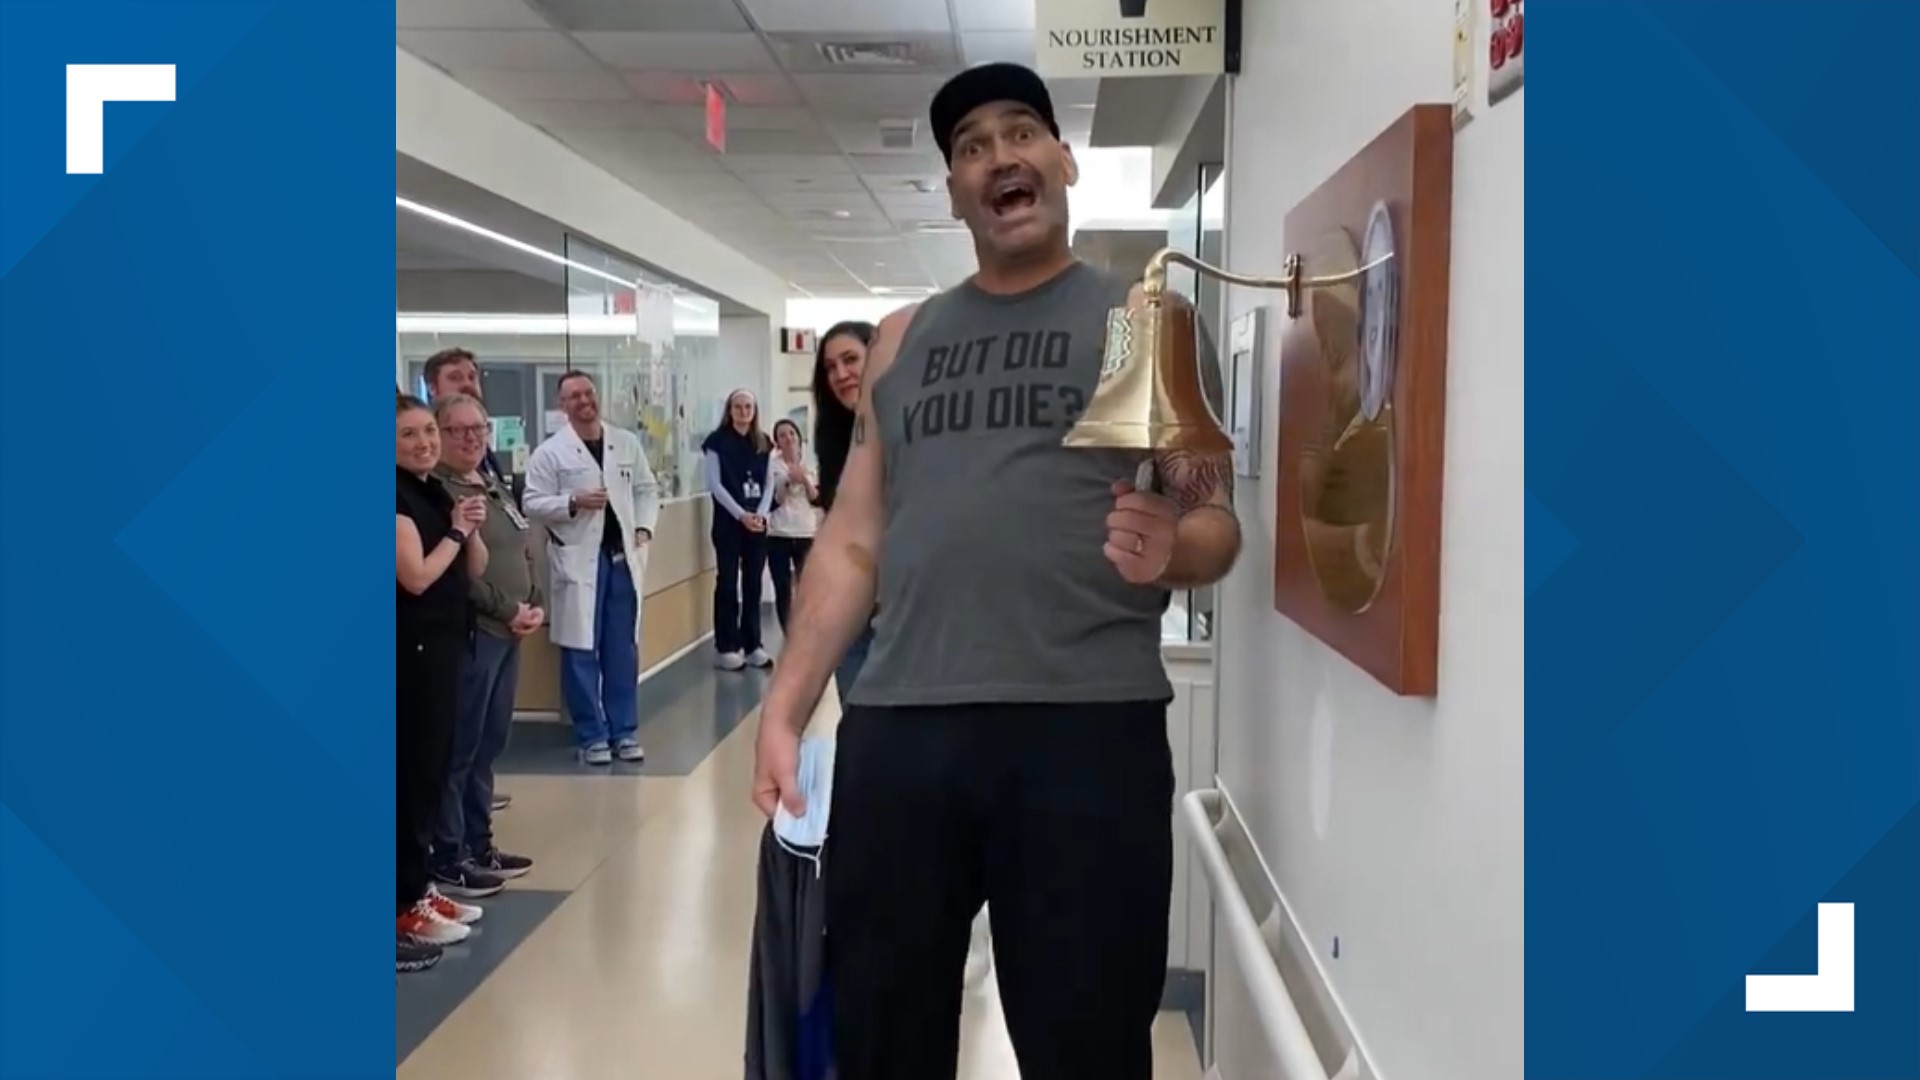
column 676, row 606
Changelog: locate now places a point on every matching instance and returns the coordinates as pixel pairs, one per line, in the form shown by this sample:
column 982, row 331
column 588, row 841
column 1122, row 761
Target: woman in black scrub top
column 437, row 551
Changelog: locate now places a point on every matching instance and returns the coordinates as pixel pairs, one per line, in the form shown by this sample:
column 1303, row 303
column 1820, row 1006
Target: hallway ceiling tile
column 510, row 86
column 467, row 15
column 692, row 120
column 866, row 53
column 699, row 16
column 994, row 14
column 778, row 183
column 680, row 52
column 519, row 50
column 689, row 89
column 830, row 177
column 997, row 46
column 613, row 115
column 870, row 16
column 752, row 142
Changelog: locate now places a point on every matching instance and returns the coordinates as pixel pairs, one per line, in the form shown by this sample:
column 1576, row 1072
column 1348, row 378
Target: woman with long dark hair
column 837, row 368
column 736, row 455
column 838, row 363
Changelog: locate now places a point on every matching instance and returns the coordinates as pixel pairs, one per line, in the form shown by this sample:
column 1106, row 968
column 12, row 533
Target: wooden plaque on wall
column 1362, row 407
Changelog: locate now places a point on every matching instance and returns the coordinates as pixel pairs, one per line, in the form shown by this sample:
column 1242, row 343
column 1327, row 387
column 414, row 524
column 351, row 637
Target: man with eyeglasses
column 455, row 371
column 590, row 485
column 506, row 604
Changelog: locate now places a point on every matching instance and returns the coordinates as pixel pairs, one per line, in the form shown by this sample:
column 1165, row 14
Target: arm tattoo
column 1191, row 480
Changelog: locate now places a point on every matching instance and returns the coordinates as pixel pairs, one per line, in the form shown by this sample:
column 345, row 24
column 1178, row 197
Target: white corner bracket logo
column 1829, row 989
column 89, row 88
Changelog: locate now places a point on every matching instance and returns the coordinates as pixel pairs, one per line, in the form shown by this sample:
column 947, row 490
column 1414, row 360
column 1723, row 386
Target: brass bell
column 1149, row 396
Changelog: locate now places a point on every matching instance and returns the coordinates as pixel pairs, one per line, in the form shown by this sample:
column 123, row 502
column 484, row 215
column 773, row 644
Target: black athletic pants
column 428, row 681
column 786, row 557
column 1060, row 819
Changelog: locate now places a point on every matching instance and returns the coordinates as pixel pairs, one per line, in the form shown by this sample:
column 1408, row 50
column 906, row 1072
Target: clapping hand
column 471, row 512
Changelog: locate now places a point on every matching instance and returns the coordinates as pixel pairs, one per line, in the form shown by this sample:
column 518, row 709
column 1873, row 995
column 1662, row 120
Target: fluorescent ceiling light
column 445, row 218
column 615, row 326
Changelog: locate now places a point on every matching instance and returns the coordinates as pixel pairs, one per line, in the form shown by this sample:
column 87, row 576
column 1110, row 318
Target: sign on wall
column 653, row 315
column 1505, row 49
column 795, row 341
column 1120, row 38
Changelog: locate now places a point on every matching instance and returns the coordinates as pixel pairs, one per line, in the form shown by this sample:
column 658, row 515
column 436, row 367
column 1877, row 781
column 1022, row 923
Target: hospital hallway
column 624, row 953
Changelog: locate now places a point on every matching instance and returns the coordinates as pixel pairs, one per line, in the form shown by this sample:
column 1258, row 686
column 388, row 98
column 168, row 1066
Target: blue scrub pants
column 601, row 684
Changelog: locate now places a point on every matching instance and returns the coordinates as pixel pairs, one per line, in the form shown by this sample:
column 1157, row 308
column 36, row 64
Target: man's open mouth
column 1009, row 196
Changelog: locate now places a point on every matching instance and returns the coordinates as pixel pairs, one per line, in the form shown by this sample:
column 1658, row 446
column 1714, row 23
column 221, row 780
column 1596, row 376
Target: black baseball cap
column 984, row 85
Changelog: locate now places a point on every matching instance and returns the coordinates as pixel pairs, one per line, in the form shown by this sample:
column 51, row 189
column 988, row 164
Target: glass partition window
column 513, row 352
column 646, row 342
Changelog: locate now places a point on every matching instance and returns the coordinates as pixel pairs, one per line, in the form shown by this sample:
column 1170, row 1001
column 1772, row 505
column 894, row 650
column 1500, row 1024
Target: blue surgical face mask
column 815, row 777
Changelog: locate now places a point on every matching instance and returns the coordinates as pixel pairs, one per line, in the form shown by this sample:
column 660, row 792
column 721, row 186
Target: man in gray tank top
column 1006, row 742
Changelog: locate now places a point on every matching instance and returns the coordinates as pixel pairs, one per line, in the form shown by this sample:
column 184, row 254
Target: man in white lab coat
column 592, row 488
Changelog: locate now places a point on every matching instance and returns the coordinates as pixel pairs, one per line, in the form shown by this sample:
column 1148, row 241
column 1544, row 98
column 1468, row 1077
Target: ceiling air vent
column 869, row 54
column 897, row 134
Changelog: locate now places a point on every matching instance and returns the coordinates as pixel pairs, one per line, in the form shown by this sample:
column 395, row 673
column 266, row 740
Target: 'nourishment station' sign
column 1110, row 39
column 1118, row 38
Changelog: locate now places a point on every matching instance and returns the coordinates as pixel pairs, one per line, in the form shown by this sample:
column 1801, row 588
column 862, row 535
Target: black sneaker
column 467, row 881
column 411, row 955
column 502, row 865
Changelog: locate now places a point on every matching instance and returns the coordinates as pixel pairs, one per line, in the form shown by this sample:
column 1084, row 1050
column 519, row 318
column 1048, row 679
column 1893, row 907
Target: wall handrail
column 1273, row 1003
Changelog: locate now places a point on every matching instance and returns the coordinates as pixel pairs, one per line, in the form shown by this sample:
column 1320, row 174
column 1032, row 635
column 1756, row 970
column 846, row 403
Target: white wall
column 818, row 314
column 444, row 124
column 484, row 291
column 746, row 361
column 1395, row 825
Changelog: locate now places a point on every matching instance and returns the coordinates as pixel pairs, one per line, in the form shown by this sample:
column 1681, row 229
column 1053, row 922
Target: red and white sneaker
column 453, row 910
column 422, row 923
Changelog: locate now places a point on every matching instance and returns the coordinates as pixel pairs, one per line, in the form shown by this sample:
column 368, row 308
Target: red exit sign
column 716, row 119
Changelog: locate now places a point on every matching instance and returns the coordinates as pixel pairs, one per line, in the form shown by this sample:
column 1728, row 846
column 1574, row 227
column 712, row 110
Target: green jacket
column 509, row 580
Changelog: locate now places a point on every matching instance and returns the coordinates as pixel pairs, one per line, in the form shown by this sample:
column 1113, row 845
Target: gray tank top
column 993, row 585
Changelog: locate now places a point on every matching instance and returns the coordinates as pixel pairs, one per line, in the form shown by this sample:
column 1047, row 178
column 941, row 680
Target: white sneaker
column 424, row 924
column 759, row 658
column 629, row 750
column 732, row 661
column 453, row 910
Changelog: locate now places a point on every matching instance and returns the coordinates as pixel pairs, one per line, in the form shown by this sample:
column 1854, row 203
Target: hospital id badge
column 514, row 515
